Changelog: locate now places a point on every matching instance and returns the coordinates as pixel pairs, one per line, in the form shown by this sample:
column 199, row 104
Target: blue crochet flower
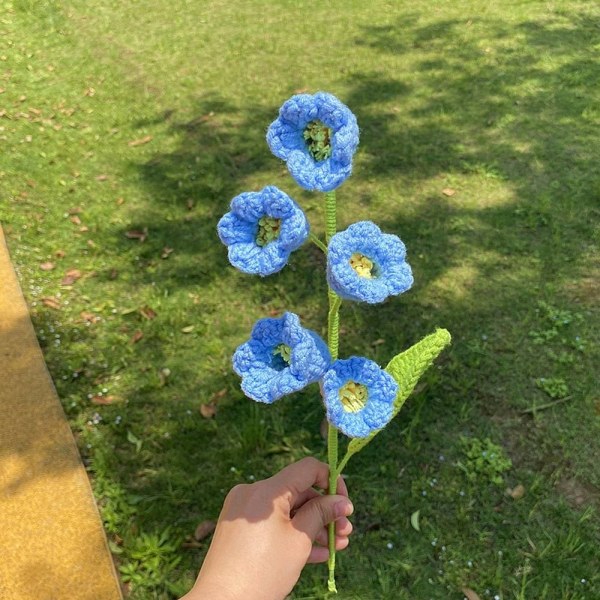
column 366, row 265
column 317, row 137
column 262, row 230
column 281, row 357
column 359, row 396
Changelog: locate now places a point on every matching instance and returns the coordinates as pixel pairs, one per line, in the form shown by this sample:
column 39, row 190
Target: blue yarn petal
column 381, row 393
column 391, row 274
column 238, row 229
column 285, row 138
column 233, row 230
column 265, row 376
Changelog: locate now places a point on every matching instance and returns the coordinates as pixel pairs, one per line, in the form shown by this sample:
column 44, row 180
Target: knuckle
column 238, row 491
column 310, row 461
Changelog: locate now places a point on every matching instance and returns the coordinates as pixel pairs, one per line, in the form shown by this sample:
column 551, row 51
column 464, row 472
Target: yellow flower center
column 362, row 265
column 282, row 355
column 353, row 396
column 318, row 140
column 268, row 230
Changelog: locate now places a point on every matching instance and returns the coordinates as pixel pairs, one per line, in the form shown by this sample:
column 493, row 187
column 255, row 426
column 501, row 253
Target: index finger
column 304, row 474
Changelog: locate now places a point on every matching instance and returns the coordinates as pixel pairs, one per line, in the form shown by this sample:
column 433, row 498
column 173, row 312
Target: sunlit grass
column 478, row 147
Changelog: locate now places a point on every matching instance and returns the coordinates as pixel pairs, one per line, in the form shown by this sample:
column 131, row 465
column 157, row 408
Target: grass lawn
column 127, row 127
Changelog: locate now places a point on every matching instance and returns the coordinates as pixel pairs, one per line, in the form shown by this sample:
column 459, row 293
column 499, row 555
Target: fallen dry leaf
column 136, row 234
column 204, row 530
column 71, row 276
column 120, row 201
column 51, row 303
column 89, row 92
column 89, row 317
column 166, row 252
column 47, row 266
column 324, row 429
column 75, row 220
column 102, row 177
column 208, row 411
column 470, row 594
column 60, row 254
column 148, row 313
column 76, row 210
column 83, row 229
column 136, row 337
column 141, row 141
column 378, row 342
column 187, row 329
column 517, row 492
column 104, row 400
column 202, row 119
column 218, row 395
column 448, row 192
column 163, row 375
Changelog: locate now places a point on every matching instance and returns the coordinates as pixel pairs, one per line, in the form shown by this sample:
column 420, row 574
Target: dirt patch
column 578, row 494
column 585, row 290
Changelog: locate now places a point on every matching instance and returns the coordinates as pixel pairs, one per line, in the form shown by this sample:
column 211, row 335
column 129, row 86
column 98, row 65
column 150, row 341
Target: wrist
column 206, row 590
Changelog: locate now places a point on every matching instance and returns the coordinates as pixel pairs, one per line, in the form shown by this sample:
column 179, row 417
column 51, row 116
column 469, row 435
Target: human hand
column 266, row 531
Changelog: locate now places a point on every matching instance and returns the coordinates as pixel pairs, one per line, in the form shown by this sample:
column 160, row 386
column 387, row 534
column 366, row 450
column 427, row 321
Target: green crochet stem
column 333, row 331
column 317, row 242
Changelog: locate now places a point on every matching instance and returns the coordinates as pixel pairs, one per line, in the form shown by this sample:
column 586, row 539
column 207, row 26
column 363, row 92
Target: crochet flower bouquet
column 317, row 136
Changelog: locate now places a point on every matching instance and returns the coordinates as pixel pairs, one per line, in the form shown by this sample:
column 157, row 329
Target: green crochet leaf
column 406, row 368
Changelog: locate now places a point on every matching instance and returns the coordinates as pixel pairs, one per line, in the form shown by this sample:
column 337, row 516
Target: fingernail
column 343, row 509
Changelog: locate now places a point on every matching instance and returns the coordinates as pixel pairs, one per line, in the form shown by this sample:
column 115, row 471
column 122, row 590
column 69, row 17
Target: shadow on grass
column 486, row 107
column 489, row 107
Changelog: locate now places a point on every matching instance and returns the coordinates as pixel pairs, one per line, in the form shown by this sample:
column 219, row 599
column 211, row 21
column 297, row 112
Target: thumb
column 318, row 512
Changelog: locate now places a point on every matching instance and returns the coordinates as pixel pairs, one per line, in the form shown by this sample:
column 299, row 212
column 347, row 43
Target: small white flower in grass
column 389, row 545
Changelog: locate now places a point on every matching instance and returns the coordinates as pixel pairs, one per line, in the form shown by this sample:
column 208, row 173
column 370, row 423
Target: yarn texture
column 280, row 358
column 366, row 265
column 262, row 230
column 375, row 409
column 287, row 139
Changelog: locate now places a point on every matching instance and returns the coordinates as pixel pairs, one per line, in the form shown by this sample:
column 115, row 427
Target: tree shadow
column 486, row 107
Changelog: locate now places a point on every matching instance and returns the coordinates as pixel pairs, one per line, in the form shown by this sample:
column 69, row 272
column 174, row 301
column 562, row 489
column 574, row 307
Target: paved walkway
column 52, row 545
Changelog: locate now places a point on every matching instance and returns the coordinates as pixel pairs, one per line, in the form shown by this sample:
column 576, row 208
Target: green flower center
column 363, row 265
column 268, row 230
column 353, row 396
column 282, row 355
column 318, row 140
